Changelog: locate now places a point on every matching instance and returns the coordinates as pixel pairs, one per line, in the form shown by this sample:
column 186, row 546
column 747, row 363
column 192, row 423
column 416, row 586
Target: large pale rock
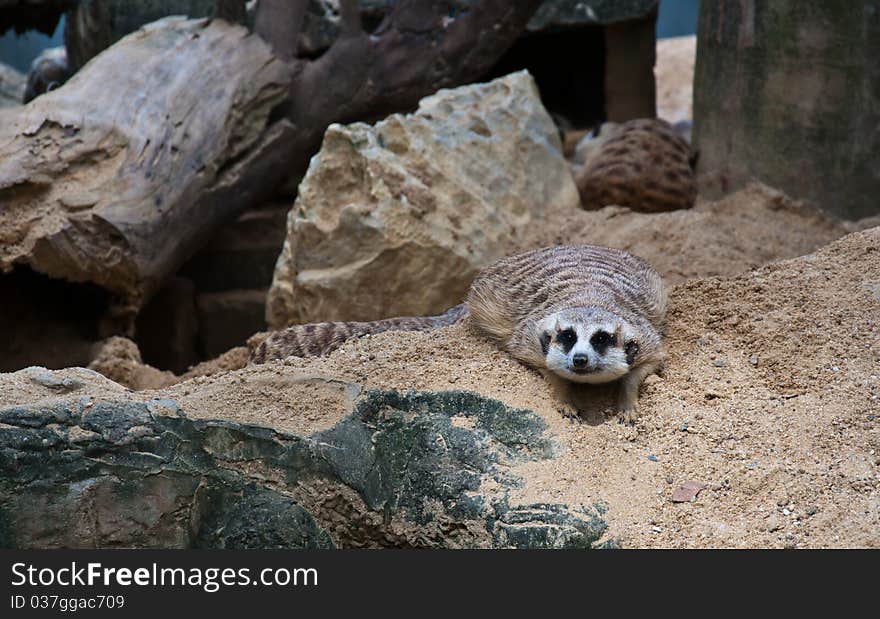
column 398, row 217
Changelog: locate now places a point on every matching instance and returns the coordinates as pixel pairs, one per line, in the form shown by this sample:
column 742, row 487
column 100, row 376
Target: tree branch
column 421, row 46
column 351, row 17
column 279, row 23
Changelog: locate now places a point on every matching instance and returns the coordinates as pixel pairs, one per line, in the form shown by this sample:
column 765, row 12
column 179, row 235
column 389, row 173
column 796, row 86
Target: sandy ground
column 674, row 73
column 769, row 397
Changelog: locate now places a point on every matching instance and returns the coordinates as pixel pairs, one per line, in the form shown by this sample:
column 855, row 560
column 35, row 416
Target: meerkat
column 643, row 164
column 578, row 314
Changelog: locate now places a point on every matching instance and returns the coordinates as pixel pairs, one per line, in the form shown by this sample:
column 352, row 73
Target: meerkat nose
column 580, row 360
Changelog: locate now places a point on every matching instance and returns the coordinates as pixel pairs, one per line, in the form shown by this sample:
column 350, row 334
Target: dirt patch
column 769, row 398
column 119, row 359
column 674, row 72
column 742, row 231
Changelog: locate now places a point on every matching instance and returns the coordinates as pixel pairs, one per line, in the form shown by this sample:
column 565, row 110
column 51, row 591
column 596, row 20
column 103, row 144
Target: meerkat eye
column 567, row 338
column 601, row 340
column 545, row 342
column 631, row 349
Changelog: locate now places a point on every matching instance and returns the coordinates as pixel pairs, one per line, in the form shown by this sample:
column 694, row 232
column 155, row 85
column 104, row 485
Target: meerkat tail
column 319, row 339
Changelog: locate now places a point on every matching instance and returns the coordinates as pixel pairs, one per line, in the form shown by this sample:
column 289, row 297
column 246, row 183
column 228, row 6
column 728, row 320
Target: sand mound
column 748, row 229
column 769, row 397
column 742, row 231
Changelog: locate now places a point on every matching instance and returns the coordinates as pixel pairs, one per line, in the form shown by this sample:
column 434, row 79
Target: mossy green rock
column 416, row 469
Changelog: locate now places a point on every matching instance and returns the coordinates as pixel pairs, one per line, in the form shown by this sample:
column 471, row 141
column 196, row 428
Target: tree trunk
column 789, row 92
column 118, row 176
column 420, row 47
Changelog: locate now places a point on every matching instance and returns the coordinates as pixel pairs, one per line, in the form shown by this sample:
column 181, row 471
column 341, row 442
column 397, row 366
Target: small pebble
column 718, row 363
column 786, row 512
column 652, row 458
column 753, row 359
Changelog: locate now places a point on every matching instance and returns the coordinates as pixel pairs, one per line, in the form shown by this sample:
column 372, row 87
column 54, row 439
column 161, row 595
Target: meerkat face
column 587, row 345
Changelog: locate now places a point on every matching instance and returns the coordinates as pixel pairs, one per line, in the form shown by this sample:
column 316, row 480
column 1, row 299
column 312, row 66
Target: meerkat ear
column 631, row 349
column 558, row 327
column 545, row 342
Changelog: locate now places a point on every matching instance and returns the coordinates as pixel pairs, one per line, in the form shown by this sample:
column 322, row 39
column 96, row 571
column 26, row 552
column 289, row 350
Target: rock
column 687, row 492
column 397, row 218
column 119, row 359
column 48, row 71
column 12, row 85
column 47, row 379
column 385, row 469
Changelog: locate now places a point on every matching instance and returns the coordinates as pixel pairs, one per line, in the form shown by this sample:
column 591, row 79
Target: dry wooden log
column 118, row 176
column 419, row 47
column 91, row 26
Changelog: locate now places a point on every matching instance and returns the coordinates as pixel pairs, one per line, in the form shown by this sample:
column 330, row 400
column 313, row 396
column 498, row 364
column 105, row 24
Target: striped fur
column 318, row 339
column 512, row 298
column 642, row 164
column 509, row 298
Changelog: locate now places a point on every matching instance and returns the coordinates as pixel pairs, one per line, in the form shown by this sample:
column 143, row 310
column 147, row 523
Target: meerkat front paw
column 629, row 413
column 569, row 411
